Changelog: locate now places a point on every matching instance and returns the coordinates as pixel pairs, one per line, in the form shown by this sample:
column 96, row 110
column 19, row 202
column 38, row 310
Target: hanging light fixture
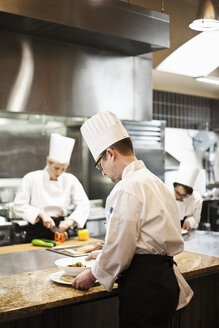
column 207, row 18
column 198, row 57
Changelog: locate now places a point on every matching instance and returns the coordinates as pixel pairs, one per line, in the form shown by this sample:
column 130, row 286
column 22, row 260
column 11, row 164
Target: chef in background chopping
column 45, row 196
column 189, row 201
column 143, row 232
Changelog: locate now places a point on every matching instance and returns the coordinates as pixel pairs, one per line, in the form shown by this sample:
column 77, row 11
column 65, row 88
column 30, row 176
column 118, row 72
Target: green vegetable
column 79, row 264
column 55, row 243
column 40, row 242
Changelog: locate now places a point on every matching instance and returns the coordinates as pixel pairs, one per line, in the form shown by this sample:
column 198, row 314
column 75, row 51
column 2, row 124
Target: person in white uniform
column 143, row 232
column 46, row 196
column 189, row 201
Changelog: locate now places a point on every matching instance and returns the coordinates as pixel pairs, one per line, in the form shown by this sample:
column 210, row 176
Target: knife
column 59, row 234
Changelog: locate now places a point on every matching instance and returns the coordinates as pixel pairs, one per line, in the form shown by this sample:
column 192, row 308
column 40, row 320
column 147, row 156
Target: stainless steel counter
column 202, row 242
column 27, row 261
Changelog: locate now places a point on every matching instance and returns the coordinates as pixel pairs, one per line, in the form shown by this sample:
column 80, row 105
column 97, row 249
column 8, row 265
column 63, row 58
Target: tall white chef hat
column 187, row 175
column 60, row 148
column 101, row 131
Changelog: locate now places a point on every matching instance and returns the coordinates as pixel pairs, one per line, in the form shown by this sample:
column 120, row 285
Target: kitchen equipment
column 96, row 220
column 148, row 141
column 96, row 226
column 5, row 232
column 67, row 250
column 6, row 210
column 135, row 30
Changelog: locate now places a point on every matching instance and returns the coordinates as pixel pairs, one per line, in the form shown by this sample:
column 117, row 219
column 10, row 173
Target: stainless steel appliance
column 5, row 232
column 148, row 141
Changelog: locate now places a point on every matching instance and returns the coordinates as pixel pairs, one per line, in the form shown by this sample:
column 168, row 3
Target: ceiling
column 181, row 12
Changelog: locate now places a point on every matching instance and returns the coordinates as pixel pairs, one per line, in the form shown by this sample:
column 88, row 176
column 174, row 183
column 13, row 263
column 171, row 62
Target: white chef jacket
column 38, row 193
column 191, row 208
column 142, row 218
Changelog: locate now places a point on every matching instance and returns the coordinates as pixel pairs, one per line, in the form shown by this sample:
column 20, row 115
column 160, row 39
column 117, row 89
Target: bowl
column 74, row 271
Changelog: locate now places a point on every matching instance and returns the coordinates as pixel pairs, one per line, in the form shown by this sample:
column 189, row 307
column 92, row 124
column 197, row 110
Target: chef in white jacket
column 143, row 232
column 189, row 201
column 46, row 196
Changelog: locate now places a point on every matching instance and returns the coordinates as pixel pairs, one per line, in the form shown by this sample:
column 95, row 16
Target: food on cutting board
column 84, row 249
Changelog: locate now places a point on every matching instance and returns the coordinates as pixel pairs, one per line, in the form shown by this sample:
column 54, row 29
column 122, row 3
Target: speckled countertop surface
column 31, row 292
column 193, row 265
column 28, row 292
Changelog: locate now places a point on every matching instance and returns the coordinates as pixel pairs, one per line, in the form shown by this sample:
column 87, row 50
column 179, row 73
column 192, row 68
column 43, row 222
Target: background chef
column 143, row 232
column 189, row 201
column 45, row 196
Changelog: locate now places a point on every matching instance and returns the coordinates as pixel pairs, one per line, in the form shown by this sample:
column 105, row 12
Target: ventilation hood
column 107, row 24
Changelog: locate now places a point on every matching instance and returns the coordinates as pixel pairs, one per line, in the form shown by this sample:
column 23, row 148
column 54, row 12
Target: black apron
column 148, row 292
column 38, row 231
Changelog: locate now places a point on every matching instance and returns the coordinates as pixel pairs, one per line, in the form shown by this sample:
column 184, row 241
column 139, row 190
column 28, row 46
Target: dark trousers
column 38, row 230
column 148, row 292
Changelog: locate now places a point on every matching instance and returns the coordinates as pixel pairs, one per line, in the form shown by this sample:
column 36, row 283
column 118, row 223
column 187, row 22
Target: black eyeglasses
column 181, row 195
column 97, row 165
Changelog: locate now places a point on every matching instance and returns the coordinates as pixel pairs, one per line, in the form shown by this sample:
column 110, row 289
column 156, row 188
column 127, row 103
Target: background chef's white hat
column 60, row 148
column 187, row 175
column 101, row 131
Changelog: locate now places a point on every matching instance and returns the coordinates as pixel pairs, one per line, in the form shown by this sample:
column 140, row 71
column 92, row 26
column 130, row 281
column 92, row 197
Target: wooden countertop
column 25, row 293
column 29, row 247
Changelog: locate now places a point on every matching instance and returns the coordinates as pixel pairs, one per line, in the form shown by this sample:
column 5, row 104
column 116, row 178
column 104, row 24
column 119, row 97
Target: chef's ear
column 48, row 161
column 111, row 152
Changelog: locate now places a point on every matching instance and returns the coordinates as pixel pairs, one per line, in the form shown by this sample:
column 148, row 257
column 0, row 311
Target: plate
column 74, row 271
column 184, row 231
column 56, row 277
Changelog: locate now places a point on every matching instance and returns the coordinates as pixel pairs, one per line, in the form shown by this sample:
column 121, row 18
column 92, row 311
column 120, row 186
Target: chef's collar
column 47, row 176
column 133, row 166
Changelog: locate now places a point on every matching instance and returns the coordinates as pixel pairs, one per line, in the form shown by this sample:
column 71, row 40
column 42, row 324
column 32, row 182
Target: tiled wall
column 185, row 111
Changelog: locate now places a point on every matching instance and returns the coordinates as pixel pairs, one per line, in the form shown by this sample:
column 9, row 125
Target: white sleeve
column 81, row 202
column 22, row 207
column 120, row 241
column 194, row 219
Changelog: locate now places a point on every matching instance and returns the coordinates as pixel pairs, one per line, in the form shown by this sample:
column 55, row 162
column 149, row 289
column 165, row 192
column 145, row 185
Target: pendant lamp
column 207, row 18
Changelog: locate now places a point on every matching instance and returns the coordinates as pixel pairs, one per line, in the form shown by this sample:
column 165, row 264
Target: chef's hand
column 64, row 225
column 186, row 225
column 84, row 280
column 93, row 255
column 47, row 220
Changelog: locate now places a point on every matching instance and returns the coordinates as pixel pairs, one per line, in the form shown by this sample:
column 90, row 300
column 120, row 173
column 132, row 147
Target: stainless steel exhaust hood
column 107, row 24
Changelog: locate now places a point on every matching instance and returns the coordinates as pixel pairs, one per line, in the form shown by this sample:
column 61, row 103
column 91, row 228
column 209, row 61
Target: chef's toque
column 187, row 175
column 60, row 148
column 101, row 131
